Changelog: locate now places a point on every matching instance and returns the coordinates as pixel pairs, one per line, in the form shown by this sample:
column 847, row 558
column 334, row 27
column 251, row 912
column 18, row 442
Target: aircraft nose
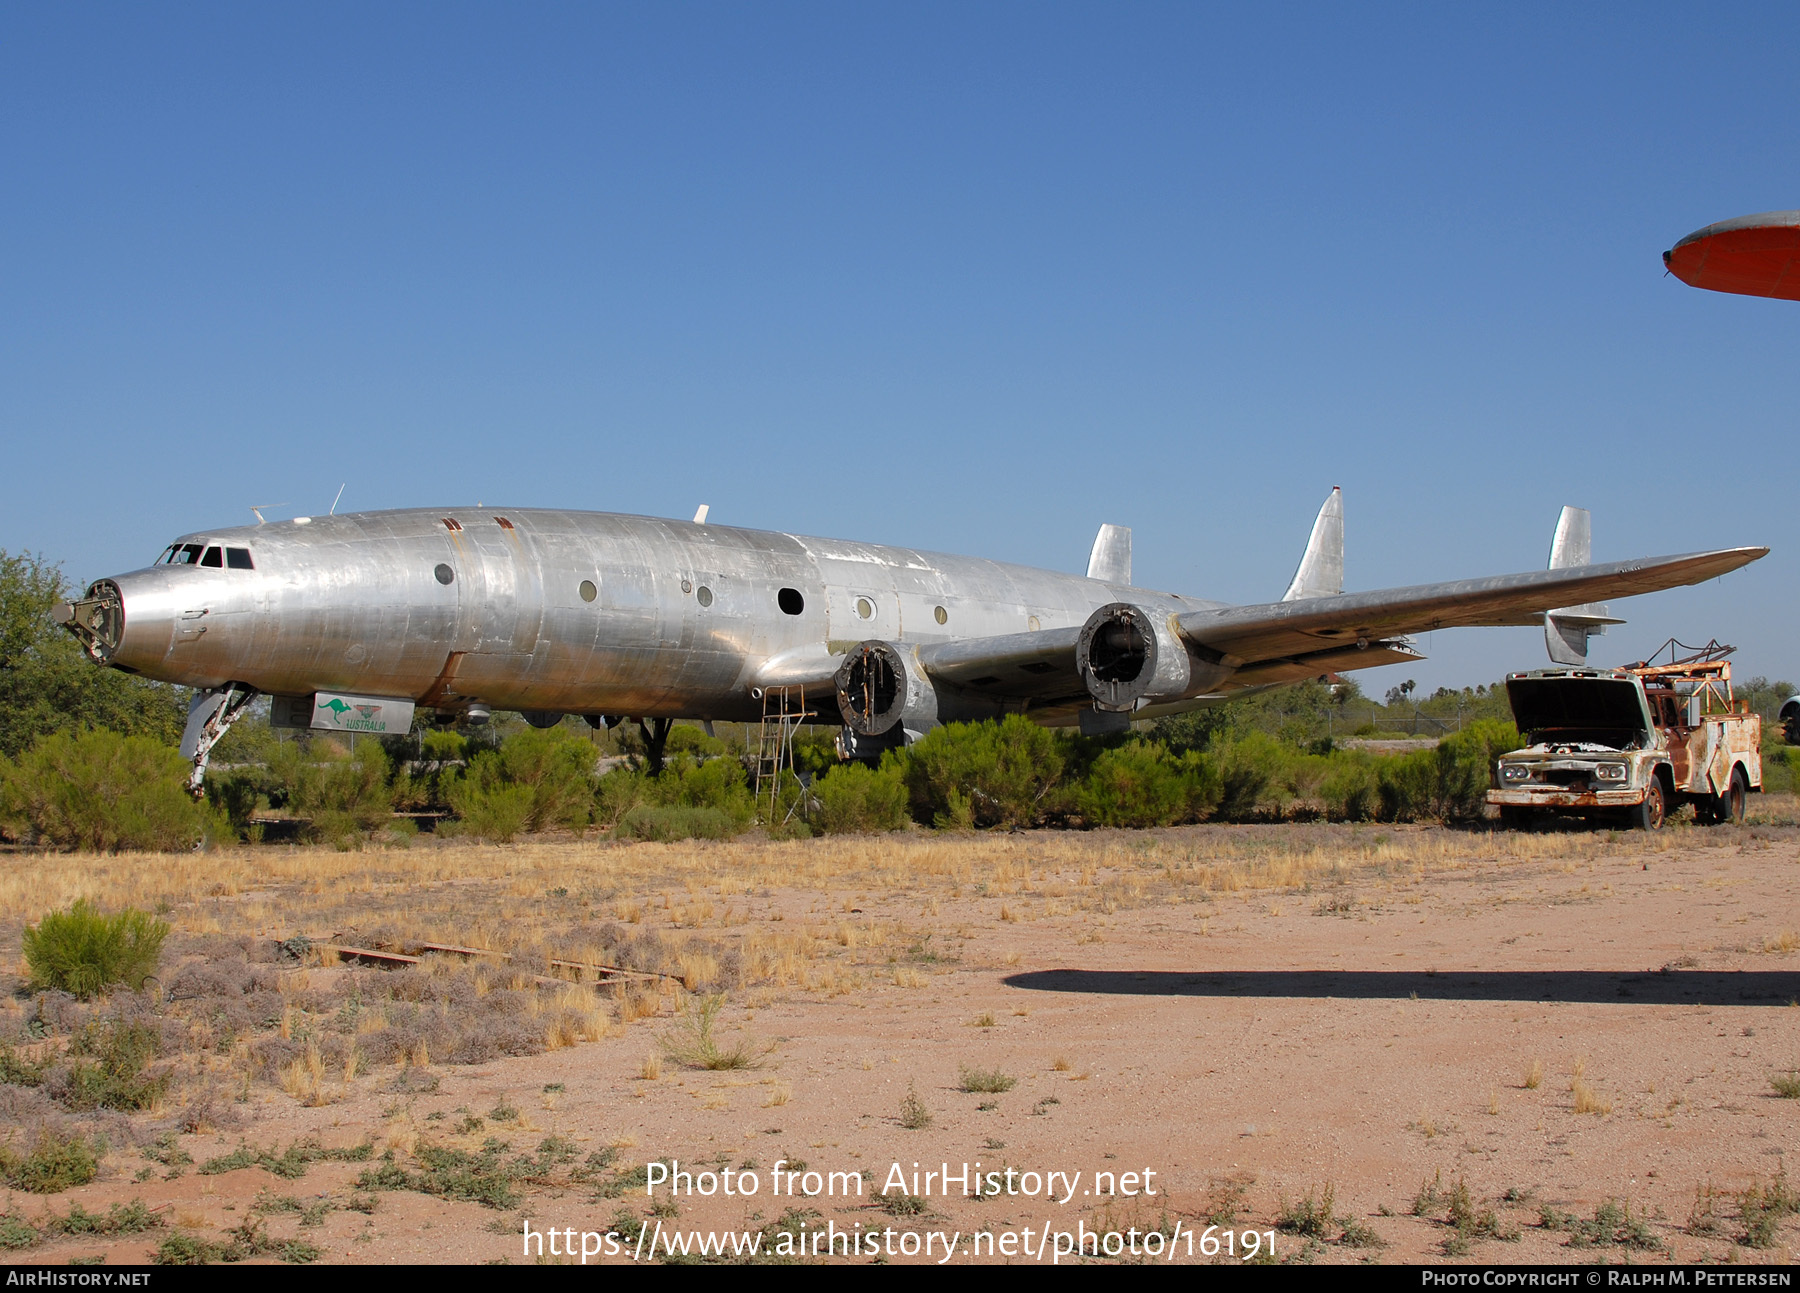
column 120, row 625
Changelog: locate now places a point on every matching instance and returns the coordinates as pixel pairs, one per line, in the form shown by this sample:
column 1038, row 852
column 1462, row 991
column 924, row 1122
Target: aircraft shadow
column 1655, row 987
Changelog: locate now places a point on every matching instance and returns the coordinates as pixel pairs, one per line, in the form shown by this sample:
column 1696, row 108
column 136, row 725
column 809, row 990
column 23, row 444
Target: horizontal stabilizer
column 1242, row 634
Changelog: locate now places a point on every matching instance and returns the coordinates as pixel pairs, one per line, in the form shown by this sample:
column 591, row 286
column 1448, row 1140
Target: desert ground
column 1364, row 1043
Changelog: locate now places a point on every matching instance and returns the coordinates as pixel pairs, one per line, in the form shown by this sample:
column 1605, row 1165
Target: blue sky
column 970, row 278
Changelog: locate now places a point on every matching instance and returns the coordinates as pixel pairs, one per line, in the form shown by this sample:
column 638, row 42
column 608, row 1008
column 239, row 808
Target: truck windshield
column 1603, row 711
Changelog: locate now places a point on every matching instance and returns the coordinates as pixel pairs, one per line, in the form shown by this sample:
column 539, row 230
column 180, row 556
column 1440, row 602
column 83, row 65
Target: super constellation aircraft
column 350, row 622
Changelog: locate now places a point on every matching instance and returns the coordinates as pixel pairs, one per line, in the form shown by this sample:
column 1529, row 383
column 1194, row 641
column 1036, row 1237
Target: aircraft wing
column 1037, row 666
column 1304, row 632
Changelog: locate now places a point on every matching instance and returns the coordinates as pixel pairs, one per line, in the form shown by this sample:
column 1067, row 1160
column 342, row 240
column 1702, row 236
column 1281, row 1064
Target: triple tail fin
column 1566, row 631
column 1321, row 572
column 1111, row 558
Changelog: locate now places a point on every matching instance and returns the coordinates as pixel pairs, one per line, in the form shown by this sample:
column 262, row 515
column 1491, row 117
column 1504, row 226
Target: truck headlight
column 1609, row 772
column 1514, row 772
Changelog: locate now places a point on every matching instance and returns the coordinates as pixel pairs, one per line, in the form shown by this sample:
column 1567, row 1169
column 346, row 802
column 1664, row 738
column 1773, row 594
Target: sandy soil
column 1371, row 1036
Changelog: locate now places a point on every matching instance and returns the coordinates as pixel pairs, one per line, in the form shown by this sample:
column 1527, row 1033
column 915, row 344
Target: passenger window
column 790, row 601
column 239, row 559
column 212, row 558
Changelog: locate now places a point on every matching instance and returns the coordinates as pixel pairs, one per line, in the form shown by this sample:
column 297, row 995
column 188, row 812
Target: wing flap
column 1242, row 635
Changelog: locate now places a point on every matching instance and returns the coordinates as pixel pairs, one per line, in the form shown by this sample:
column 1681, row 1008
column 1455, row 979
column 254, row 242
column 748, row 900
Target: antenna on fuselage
column 334, row 502
column 700, row 515
column 256, row 510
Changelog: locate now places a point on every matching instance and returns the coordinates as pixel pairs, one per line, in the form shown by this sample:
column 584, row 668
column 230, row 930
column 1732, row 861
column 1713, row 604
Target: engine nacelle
column 1126, row 657
column 881, row 686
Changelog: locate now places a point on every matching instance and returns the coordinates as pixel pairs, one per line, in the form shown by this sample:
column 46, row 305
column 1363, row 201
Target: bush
column 81, row 951
column 983, row 774
column 1350, row 789
column 490, row 809
column 858, row 799
column 677, row 822
column 54, row 1164
column 103, row 793
column 1450, row 782
column 555, row 764
column 618, row 792
column 343, row 795
column 114, row 1076
column 1141, row 784
column 1250, row 767
column 1781, row 770
column 717, row 784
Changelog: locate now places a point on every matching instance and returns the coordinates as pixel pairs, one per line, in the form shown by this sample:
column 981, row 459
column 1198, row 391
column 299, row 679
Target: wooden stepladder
column 784, row 709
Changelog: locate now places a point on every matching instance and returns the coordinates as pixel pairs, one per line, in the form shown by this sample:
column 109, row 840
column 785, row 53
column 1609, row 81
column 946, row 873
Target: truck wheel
column 1791, row 725
column 1735, row 797
column 1648, row 816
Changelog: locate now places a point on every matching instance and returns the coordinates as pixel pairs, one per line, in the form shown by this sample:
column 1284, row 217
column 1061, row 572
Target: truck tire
column 1791, row 725
column 1718, row 810
column 1732, row 810
column 1648, row 816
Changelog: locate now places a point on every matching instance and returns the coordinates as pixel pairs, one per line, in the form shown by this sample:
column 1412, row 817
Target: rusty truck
column 1633, row 743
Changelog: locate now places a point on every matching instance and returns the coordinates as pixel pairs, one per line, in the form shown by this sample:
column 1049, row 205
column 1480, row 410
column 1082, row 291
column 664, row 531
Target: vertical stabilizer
column 1321, row 572
column 1566, row 631
column 1111, row 558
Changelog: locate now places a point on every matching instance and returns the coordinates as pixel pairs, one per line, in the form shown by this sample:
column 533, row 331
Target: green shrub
column 1141, row 784
column 1447, row 783
column 684, row 739
column 108, row 1072
column 82, row 951
column 718, row 784
column 1250, row 767
column 858, row 799
column 54, row 1164
column 16, row 1232
column 1781, row 770
column 557, row 765
column 1350, row 789
column 677, row 822
column 239, row 795
column 618, row 792
column 344, row 796
column 486, row 806
column 1407, row 786
column 104, row 793
column 983, row 774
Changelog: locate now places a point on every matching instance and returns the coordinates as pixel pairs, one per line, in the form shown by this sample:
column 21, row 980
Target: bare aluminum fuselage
column 682, row 619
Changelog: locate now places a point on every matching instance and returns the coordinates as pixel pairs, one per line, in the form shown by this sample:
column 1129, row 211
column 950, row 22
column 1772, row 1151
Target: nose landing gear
column 210, row 714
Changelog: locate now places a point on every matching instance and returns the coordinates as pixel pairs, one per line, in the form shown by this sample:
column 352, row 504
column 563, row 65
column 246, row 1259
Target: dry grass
column 763, row 920
column 1588, row 1100
column 1534, row 1076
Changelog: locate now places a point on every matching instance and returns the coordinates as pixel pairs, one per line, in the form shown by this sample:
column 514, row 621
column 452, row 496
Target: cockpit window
column 239, row 559
column 213, row 557
column 183, row 554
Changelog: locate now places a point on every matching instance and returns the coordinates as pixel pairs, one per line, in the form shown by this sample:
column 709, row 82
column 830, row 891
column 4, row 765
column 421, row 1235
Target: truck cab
column 1635, row 743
